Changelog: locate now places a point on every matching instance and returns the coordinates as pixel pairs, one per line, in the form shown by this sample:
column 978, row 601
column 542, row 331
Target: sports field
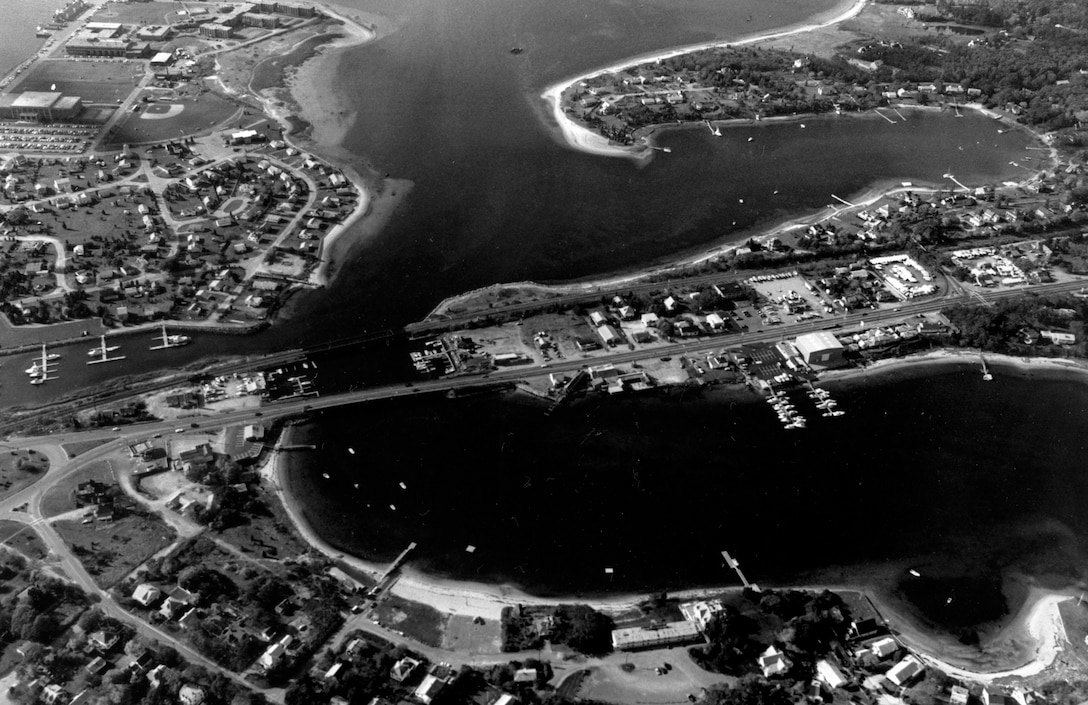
column 93, row 81
column 185, row 116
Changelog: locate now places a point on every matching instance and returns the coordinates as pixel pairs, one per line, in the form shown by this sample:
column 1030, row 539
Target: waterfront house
column 905, row 671
column 883, row 648
column 773, row 662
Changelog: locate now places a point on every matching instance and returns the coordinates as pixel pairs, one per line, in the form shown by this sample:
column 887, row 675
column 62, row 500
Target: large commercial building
column 820, row 349
column 39, row 106
column 670, row 634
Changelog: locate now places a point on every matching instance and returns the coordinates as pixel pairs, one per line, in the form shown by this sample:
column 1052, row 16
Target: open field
column 136, row 13
column 93, row 81
column 415, row 620
column 60, row 498
column 463, row 634
column 23, row 539
column 19, row 469
column 111, row 550
column 198, row 113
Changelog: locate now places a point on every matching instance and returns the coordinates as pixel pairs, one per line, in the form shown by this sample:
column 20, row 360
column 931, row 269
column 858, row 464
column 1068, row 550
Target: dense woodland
column 1011, row 325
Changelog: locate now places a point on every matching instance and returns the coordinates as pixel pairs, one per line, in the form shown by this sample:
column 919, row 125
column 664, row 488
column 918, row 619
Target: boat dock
column 102, row 353
column 389, row 577
column 169, row 341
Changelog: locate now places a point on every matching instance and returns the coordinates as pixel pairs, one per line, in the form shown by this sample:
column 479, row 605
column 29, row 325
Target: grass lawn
column 81, row 447
column 23, row 539
column 413, row 619
column 19, row 469
column 60, row 498
column 136, row 13
column 111, row 550
column 93, row 81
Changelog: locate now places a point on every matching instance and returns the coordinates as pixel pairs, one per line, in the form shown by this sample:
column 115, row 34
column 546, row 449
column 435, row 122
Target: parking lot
column 790, row 299
column 68, row 139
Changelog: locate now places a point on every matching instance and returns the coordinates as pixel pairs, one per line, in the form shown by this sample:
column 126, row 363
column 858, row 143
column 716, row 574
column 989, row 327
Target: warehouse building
column 39, row 106
column 820, row 349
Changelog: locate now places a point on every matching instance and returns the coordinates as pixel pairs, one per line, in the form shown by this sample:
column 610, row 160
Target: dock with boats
column 101, row 353
column 170, row 341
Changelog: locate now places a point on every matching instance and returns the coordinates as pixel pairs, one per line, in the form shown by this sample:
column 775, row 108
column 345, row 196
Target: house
column 334, row 671
column 905, row 671
column 191, row 695
column 172, row 607
column 649, row 319
column 525, row 675
column 670, row 304
column 772, row 662
column 1058, row 337
column 429, row 689
column 883, row 648
column 958, row 695
column 196, row 460
column 146, row 594
column 97, row 666
column 403, row 669
column 715, row 322
column 701, row 612
column 54, row 694
column 104, row 640
column 830, row 674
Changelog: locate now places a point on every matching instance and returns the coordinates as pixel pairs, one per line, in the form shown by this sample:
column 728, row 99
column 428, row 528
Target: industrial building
column 820, row 349
column 670, row 634
column 39, row 106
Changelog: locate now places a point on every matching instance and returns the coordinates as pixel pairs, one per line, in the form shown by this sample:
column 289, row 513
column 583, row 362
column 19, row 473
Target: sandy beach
column 585, row 140
column 1025, row 644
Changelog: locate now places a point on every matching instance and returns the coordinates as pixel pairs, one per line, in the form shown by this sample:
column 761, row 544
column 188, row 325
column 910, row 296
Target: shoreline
column 1032, row 627
column 585, row 140
column 865, row 197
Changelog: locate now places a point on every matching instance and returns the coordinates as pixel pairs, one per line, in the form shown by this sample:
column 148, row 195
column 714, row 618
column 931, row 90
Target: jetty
column 735, row 565
column 389, row 577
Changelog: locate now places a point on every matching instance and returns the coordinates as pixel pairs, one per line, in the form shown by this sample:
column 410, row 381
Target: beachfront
column 1031, row 628
column 585, row 140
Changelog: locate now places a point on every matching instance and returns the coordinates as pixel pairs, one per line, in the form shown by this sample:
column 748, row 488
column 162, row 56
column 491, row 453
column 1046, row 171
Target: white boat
column 34, row 369
column 325, row 475
column 179, row 339
column 52, row 356
column 37, row 380
column 97, row 352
